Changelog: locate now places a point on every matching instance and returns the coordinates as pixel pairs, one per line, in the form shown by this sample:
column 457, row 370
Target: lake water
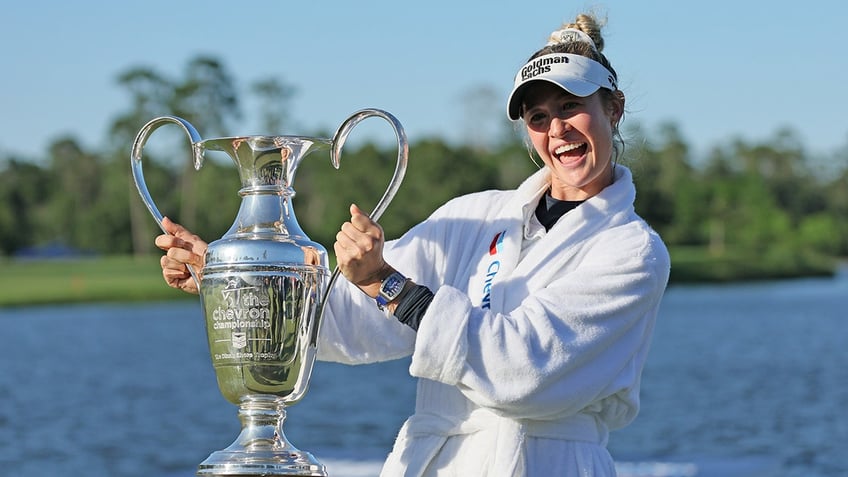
column 742, row 380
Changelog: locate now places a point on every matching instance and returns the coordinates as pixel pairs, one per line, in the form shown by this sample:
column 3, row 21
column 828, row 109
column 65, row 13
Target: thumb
column 355, row 210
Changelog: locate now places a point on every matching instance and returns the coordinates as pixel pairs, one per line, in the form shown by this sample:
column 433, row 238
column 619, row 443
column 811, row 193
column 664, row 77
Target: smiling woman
column 568, row 96
column 558, row 278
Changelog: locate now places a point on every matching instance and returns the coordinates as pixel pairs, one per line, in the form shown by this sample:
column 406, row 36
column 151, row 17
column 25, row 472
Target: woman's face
column 573, row 136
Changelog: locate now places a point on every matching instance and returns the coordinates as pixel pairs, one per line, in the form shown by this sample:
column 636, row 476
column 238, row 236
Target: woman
column 528, row 313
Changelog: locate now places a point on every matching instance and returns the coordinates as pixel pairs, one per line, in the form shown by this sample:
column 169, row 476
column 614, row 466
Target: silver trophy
column 263, row 290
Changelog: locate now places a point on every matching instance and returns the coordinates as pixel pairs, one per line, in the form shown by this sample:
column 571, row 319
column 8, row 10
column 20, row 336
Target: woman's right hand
column 182, row 248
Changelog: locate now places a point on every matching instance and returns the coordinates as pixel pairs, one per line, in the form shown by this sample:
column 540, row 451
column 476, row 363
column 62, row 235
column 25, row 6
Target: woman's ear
column 616, row 106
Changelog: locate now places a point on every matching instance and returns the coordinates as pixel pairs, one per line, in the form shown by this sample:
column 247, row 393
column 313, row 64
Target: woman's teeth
column 568, row 148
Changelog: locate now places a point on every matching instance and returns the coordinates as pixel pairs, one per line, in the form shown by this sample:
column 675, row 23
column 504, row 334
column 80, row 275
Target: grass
column 126, row 279
column 30, row 282
column 698, row 265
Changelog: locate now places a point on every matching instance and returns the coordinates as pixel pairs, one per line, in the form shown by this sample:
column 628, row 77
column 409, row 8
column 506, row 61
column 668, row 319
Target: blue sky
column 720, row 70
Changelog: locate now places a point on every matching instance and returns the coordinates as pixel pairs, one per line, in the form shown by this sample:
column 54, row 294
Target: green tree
column 668, row 195
column 835, row 192
column 783, row 165
column 73, row 190
column 769, row 200
column 22, row 195
column 718, row 176
column 150, row 96
column 207, row 97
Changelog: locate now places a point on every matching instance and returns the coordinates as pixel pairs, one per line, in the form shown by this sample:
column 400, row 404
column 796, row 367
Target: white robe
column 533, row 346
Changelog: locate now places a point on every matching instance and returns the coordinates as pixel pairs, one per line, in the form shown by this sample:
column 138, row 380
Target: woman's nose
column 558, row 127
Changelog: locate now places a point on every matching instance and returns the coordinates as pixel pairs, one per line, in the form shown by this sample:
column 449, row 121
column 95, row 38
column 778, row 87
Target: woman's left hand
column 359, row 251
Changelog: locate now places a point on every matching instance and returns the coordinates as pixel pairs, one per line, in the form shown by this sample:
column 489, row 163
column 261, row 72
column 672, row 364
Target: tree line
column 768, row 199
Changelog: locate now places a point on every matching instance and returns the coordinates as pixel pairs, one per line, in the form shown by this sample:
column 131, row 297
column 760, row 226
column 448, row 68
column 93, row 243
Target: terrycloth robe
column 526, row 358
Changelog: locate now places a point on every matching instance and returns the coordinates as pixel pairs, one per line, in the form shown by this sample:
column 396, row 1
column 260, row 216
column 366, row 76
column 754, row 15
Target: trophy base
column 261, row 448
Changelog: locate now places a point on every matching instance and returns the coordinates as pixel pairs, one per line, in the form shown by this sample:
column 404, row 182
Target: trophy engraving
column 263, row 289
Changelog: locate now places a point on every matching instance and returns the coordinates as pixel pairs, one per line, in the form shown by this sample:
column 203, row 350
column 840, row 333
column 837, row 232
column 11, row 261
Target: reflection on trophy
column 263, row 289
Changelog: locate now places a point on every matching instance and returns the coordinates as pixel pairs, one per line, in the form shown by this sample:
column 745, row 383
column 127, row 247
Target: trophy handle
column 400, row 170
column 138, row 176
column 138, row 146
column 403, row 152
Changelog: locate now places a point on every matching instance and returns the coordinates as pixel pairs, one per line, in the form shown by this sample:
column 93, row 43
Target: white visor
column 576, row 74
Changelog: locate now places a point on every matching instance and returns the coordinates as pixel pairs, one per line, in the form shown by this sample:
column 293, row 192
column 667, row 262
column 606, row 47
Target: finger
column 166, row 242
column 178, row 230
column 170, row 264
column 363, row 241
column 174, row 272
column 184, row 256
column 341, row 252
column 184, row 238
column 350, row 240
column 174, row 276
column 351, row 232
column 366, row 228
column 342, row 236
column 173, row 236
column 171, row 227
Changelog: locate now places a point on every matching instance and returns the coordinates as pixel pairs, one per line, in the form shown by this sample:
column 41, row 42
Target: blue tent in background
column 55, row 250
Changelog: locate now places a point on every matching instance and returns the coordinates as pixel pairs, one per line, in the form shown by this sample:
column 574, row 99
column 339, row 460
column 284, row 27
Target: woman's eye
column 537, row 118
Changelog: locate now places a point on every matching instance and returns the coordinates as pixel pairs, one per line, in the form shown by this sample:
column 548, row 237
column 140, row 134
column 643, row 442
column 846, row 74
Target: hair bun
column 571, row 35
column 590, row 26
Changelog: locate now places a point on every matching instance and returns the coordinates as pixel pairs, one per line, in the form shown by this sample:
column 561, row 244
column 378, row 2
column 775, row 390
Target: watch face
column 392, row 286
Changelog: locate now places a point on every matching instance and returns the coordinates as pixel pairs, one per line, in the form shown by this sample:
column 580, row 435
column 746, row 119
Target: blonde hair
column 591, row 26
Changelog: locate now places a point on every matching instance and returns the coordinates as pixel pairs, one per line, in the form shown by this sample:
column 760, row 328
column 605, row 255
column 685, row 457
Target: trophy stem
column 261, row 448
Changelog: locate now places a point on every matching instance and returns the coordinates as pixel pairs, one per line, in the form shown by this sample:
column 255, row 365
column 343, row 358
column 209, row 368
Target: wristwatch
column 390, row 288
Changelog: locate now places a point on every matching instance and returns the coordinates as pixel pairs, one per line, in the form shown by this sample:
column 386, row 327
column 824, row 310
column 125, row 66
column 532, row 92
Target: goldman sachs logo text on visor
column 541, row 66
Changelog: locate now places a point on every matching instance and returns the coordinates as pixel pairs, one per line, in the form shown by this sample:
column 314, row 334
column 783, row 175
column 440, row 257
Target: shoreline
column 59, row 281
